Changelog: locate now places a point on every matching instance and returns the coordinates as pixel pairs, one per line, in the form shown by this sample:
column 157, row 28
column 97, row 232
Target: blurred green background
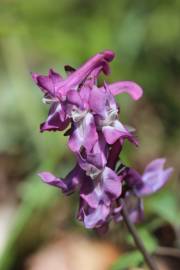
column 38, row 35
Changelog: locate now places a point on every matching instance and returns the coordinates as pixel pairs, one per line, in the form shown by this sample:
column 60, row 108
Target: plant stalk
column 148, row 259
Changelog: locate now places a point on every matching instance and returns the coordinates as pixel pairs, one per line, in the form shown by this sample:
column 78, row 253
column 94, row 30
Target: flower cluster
column 96, row 137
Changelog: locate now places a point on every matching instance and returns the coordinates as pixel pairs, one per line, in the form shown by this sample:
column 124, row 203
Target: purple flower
column 97, row 193
column 139, row 186
column 106, row 111
column 55, row 88
column 96, row 137
column 83, row 131
column 97, row 196
column 103, row 187
column 153, row 178
column 93, row 218
column 94, row 159
column 57, row 119
column 48, row 84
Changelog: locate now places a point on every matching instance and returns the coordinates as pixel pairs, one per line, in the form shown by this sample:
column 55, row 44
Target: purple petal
column 117, row 213
column 78, row 76
column 55, row 77
column 114, row 154
column 96, row 157
column 34, row 76
column 88, row 193
column 103, row 103
column 52, row 180
column 97, row 100
column 154, row 177
column 133, row 178
column 97, row 217
column 155, row 165
column 48, row 83
column 111, row 183
column 84, row 94
column 108, row 55
column 56, row 119
column 74, row 98
column 84, row 134
column 105, row 188
column 91, row 79
column 111, row 134
column 91, row 194
column 99, row 153
column 131, row 88
column 117, row 131
column 67, row 185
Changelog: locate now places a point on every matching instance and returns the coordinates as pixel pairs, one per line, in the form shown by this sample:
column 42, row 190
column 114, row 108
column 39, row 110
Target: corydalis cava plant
column 96, row 137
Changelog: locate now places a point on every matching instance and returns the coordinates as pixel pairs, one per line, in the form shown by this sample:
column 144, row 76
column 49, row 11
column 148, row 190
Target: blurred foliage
column 165, row 205
column 36, row 35
column 134, row 258
column 128, row 260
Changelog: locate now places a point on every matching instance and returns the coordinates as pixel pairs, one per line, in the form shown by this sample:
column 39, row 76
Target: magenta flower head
column 56, row 89
column 96, row 137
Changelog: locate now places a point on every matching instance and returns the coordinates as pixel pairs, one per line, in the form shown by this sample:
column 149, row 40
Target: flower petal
column 117, row 131
column 154, row 165
column 105, row 188
column 52, row 180
column 133, row 178
column 97, row 100
column 89, row 194
column 56, row 119
column 97, row 157
column 97, row 217
column 78, row 76
column 84, row 134
column 74, row 98
column 154, row 177
column 48, row 83
column 129, row 87
column 69, row 184
column 111, row 183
